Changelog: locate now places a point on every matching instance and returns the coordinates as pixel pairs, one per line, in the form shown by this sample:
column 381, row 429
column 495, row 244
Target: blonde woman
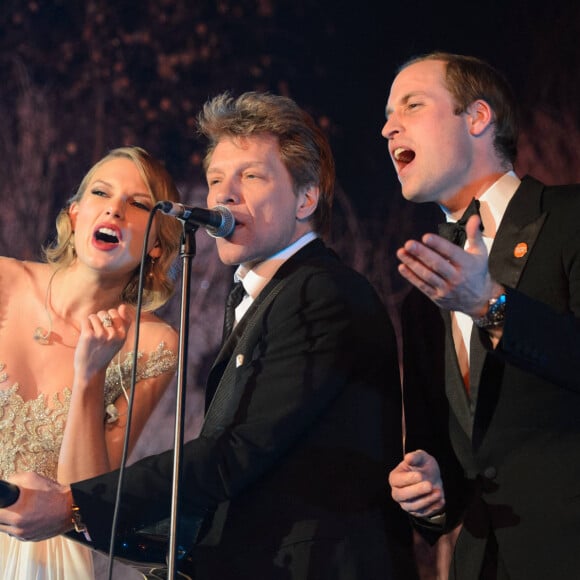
column 66, row 339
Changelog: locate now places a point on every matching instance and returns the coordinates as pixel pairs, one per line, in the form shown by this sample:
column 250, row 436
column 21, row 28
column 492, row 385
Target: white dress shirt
column 493, row 204
column 255, row 279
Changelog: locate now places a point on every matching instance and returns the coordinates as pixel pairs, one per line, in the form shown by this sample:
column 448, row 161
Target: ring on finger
column 107, row 321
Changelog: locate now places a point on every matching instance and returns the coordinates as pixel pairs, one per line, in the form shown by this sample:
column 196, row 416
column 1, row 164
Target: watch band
column 495, row 315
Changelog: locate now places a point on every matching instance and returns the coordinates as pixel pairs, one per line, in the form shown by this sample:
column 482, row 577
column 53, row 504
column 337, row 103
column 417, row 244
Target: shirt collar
column 493, row 203
column 256, row 278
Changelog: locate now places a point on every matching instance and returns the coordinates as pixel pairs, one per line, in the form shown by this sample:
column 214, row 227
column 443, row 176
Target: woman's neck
column 76, row 292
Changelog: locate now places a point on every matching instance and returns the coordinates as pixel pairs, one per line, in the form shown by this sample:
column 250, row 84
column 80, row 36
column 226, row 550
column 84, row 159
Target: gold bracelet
column 78, row 524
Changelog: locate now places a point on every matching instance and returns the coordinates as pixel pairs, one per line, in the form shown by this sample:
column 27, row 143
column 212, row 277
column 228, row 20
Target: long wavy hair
column 159, row 282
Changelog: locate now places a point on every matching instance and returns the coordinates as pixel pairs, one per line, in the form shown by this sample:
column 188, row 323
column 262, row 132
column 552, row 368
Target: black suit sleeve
column 539, row 340
column 541, row 334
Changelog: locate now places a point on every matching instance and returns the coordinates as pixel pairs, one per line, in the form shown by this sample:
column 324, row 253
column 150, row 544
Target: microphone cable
column 131, row 394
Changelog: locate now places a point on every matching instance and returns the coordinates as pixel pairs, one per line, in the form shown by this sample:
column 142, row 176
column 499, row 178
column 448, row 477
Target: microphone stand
column 188, row 249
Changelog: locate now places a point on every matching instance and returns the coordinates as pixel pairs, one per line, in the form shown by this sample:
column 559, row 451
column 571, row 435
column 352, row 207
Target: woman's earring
column 151, row 274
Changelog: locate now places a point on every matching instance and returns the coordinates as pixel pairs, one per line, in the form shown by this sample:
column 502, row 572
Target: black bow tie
column 455, row 232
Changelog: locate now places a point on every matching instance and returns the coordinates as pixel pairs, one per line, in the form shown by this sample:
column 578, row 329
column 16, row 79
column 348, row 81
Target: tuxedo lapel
column 517, row 233
column 454, row 385
column 226, row 397
column 511, row 249
column 316, row 247
column 221, row 389
column 472, row 411
column 229, row 345
column 477, row 355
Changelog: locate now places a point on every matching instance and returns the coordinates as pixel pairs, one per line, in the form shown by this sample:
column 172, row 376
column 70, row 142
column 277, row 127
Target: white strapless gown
column 31, row 434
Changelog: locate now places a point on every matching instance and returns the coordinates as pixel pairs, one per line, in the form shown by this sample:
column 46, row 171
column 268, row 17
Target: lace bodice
column 31, row 432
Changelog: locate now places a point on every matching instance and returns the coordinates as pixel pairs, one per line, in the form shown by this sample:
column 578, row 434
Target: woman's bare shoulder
column 16, row 271
column 154, row 330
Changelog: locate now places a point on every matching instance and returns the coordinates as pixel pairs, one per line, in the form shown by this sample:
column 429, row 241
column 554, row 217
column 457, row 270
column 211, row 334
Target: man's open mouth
column 403, row 156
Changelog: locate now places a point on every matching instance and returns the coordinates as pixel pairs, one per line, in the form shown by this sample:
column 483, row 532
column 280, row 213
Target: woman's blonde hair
column 159, row 282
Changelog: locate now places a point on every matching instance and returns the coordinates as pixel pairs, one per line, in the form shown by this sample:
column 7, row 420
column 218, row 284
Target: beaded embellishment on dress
column 31, row 431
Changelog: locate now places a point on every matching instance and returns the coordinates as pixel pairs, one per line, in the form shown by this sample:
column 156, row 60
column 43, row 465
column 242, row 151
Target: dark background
column 79, row 78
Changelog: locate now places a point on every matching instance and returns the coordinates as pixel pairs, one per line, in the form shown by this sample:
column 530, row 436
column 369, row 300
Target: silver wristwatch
column 495, row 314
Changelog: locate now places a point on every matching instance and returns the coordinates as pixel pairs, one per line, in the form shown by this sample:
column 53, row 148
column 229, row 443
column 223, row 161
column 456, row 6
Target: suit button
column 490, row 472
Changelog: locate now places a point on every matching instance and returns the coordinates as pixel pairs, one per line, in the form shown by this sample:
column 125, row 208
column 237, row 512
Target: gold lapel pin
column 239, row 360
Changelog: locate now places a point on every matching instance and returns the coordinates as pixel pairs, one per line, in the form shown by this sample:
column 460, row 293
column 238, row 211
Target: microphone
column 219, row 222
column 8, row 493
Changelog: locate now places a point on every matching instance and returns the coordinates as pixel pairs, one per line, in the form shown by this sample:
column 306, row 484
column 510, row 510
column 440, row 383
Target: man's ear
column 307, row 202
column 481, row 117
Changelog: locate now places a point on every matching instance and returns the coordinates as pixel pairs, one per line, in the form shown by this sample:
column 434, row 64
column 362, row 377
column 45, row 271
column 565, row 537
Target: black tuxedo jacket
column 302, row 426
column 508, row 453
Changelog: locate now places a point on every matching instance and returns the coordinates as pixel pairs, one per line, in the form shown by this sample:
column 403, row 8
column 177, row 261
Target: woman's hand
column 102, row 336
